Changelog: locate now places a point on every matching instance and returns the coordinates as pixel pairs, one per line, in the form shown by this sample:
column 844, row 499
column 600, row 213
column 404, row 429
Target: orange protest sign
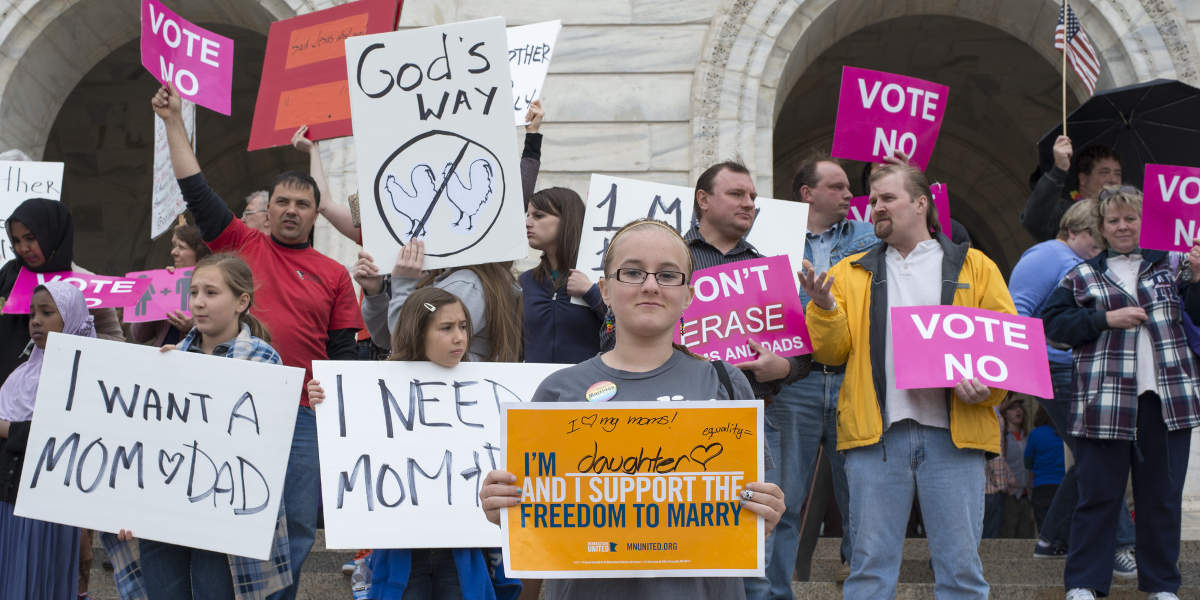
column 633, row 489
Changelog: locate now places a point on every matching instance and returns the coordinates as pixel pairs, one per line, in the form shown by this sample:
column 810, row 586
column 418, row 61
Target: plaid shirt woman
column 1135, row 397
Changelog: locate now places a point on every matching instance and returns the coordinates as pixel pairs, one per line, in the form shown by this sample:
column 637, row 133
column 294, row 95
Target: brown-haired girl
column 221, row 295
column 555, row 329
column 646, row 272
column 433, row 326
column 488, row 290
column 187, row 248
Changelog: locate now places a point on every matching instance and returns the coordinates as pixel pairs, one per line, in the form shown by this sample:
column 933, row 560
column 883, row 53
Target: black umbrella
column 1153, row 122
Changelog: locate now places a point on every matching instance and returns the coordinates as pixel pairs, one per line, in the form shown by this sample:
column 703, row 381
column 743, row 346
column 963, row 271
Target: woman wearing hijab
column 43, row 240
column 41, row 558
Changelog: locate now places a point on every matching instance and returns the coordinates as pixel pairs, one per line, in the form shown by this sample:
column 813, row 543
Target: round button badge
column 601, row 391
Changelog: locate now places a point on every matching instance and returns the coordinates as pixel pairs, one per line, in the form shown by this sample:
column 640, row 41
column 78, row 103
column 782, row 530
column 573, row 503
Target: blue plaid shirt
column 253, row 579
column 1105, row 401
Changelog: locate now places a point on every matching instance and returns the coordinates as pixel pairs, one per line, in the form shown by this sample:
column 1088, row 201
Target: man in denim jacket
column 805, row 412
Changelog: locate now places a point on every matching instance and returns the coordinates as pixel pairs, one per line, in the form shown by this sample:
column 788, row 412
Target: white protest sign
column 613, row 201
column 20, row 181
column 178, row 447
column 166, row 202
column 437, row 151
column 405, row 447
column 530, row 48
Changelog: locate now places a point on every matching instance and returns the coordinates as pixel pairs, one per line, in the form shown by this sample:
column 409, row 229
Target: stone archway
column 51, row 48
column 756, row 51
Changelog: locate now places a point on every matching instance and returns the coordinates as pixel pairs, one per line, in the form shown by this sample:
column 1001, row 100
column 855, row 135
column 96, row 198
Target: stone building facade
column 653, row 89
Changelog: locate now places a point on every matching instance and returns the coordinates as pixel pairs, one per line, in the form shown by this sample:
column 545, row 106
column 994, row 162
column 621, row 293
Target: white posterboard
column 166, row 201
column 177, row 447
column 530, row 48
column 20, row 181
column 405, row 447
column 779, row 228
column 436, row 147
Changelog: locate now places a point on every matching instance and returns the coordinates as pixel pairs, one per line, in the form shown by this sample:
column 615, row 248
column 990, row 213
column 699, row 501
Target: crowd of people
column 970, row 459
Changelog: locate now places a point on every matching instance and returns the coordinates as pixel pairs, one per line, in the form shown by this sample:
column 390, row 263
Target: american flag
column 1080, row 53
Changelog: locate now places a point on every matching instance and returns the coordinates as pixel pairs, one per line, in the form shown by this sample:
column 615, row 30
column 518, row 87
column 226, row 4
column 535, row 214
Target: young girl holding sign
column 646, row 272
column 487, row 290
column 221, row 295
column 187, row 248
column 555, row 329
column 433, row 325
column 40, row 559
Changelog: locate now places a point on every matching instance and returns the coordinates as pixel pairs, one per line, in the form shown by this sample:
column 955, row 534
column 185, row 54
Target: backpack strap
column 723, row 375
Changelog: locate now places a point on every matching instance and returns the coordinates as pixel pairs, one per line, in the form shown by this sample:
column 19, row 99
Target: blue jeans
column 949, row 483
column 301, row 494
column 177, row 572
column 805, row 416
column 759, row 588
column 1056, row 529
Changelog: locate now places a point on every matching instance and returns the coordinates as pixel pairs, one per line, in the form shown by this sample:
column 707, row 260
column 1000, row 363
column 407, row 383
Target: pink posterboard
column 99, row 291
column 879, row 113
column 750, row 299
column 939, row 346
column 166, row 293
column 1170, row 208
column 198, row 62
column 860, row 207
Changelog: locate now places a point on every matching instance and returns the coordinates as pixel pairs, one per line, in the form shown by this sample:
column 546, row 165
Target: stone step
column 995, row 571
column 918, row 548
column 1004, row 591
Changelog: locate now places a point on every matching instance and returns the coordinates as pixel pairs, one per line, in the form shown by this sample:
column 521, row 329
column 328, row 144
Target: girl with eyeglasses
column 647, row 268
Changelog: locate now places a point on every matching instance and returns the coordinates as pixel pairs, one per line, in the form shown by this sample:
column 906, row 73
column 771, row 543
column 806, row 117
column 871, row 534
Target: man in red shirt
column 305, row 299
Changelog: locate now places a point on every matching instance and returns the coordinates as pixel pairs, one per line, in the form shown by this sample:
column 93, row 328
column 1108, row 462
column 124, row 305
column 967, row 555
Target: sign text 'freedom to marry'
column 128, row 437
column 1171, row 208
column 880, row 113
column 633, row 489
column 198, row 62
column 405, row 447
column 748, row 300
column 939, row 346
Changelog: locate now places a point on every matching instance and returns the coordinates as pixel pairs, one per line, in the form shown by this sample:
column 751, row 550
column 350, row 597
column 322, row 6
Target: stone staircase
column 1008, row 565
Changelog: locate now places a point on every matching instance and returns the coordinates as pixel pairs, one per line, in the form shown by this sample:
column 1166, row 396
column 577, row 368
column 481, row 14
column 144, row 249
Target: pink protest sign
column 166, row 293
column 748, row 300
column 1170, row 211
column 939, row 346
column 198, row 62
column 860, row 207
column 880, row 113
column 100, row 291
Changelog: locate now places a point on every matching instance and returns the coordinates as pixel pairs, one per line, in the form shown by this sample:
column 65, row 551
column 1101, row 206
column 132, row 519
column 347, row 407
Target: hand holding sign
column 880, row 114
column 196, row 61
column 499, row 493
column 971, row 391
column 1194, row 260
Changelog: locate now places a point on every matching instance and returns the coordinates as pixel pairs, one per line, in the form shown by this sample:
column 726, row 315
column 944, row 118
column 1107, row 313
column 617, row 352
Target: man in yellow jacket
column 930, row 442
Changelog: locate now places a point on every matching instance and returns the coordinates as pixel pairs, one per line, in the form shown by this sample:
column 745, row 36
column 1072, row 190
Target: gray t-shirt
column 680, row 378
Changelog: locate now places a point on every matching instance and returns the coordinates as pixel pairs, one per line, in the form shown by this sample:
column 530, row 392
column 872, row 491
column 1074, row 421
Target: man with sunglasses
column 723, row 213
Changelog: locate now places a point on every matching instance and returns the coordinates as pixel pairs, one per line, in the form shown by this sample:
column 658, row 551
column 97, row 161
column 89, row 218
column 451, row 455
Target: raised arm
column 338, row 215
column 212, row 215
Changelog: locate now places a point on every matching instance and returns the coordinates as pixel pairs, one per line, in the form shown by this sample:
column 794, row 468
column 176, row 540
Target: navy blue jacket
column 555, row 330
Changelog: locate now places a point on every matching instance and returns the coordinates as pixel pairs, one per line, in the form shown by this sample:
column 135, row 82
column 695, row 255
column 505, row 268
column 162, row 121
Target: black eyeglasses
column 1112, row 190
column 639, row 276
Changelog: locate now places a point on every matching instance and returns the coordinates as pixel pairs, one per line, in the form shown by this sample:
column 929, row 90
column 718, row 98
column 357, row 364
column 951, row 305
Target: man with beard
column 897, row 443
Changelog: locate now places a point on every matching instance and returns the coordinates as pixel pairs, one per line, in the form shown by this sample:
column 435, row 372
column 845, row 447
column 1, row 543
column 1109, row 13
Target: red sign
column 304, row 72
